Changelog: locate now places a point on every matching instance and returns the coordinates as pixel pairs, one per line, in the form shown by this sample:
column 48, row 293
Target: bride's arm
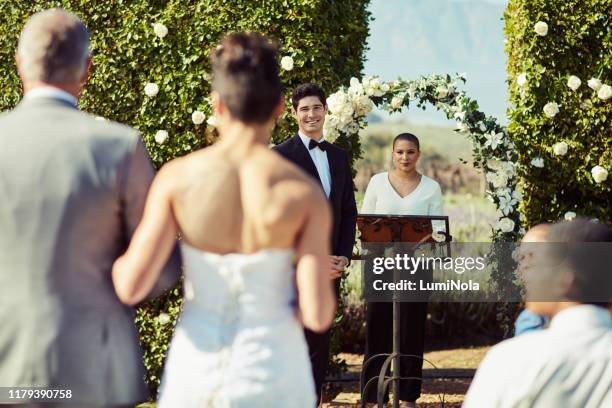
column 317, row 301
column 136, row 272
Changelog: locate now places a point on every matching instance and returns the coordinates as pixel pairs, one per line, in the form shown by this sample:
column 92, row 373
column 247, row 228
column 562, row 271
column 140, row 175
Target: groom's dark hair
column 304, row 90
column 246, row 76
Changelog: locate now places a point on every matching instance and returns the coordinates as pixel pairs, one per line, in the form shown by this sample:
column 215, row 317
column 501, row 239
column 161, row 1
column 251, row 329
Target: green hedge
column 578, row 43
column 325, row 38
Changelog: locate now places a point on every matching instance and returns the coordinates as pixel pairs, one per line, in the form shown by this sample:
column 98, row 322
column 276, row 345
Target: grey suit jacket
column 72, row 191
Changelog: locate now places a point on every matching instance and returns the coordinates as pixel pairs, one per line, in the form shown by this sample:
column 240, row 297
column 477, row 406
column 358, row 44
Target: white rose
column 551, row 109
column 500, row 180
column 287, row 63
column 505, row 225
column 605, row 92
column 397, row 102
column 385, row 87
column 151, row 89
column 594, row 84
column 599, row 174
column 161, row 136
column 198, row 117
column 521, row 79
column 160, row 30
column 441, row 92
column 362, row 105
column 560, row 148
column 356, row 88
column 163, row 318
column 337, row 101
column 212, row 121
column 574, row 82
column 537, row 162
column 541, row 28
column 570, row 215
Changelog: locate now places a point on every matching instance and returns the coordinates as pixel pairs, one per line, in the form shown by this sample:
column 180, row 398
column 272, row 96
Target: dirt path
column 449, row 381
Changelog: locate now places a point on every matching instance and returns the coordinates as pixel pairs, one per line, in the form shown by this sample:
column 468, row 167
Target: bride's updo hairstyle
column 245, row 74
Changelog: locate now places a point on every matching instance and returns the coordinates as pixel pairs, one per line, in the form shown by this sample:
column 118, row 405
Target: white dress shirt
column 51, row 92
column 567, row 365
column 319, row 157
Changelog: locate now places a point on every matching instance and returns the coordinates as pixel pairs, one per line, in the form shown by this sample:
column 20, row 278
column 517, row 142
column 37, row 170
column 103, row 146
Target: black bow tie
column 321, row 145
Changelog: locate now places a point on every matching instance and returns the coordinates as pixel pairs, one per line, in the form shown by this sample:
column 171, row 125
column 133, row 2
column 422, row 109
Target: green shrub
column 578, row 43
column 325, row 38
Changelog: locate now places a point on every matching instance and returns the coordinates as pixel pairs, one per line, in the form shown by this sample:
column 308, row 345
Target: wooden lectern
column 394, row 229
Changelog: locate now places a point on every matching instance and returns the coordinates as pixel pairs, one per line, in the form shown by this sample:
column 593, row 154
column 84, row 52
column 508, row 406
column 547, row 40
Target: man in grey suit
column 72, row 192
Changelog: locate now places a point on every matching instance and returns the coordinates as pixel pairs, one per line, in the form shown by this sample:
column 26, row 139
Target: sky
column 409, row 38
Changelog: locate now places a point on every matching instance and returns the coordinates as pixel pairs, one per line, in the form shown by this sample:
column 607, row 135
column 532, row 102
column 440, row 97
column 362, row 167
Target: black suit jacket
column 342, row 196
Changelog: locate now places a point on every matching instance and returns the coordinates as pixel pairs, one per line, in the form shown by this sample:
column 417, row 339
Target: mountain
column 409, row 38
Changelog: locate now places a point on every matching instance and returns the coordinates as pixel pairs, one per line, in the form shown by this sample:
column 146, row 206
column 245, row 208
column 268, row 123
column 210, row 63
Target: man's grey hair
column 53, row 48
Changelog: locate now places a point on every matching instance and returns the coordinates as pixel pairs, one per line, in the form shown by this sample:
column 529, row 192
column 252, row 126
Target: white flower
column 517, row 195
column 560, row 148
column 537, row 162
column 541, row 28
column 505, row 225
column 161, row 136
column 287, row 63
column 551, row 109
column 599, row 174
column 521, row 79
column 373, row 86
column 570, row 215
column 198, row 117
column 160, row 30
column 574, row 82
column 362, row 105
column 586, row 104
column 494, row 139
column 505, row 205
column 605, row 92
column 498, row 179
column 100, row 118
column 212, row 121
column 397, row 102
column 385, row 87
column 337, row 102
column 163, row 318
column 151, row 89
column 441, row 92
column 356, row 88
column 594, row 84
column 494, row 164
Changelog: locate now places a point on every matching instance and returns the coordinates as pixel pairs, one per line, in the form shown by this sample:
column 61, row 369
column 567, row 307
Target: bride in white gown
column 245, row 216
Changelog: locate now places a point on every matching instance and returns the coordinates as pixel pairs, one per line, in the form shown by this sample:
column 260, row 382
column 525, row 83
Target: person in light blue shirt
column 527, row 320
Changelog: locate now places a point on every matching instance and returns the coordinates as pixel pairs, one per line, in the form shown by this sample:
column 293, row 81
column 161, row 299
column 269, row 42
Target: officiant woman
column 400, row 191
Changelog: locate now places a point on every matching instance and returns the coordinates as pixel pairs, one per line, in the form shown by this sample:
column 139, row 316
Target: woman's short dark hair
column 304, row 90
column 245, row 74
column 407, row 137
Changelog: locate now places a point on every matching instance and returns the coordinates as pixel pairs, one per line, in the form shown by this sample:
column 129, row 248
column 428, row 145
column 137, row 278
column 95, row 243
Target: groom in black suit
column 329, row 166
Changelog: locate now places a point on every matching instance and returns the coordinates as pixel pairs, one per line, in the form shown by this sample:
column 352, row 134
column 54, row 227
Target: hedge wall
column 325, row 38
column 575, row 42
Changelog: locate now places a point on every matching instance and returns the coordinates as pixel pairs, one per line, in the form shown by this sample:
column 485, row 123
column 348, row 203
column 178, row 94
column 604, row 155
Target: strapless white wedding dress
column 238, row 342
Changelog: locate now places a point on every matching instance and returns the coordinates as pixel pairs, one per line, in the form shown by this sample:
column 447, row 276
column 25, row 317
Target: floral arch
column 494, row 151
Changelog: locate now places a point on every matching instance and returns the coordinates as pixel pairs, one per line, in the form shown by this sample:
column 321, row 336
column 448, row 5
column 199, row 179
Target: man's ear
column 87, row 71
